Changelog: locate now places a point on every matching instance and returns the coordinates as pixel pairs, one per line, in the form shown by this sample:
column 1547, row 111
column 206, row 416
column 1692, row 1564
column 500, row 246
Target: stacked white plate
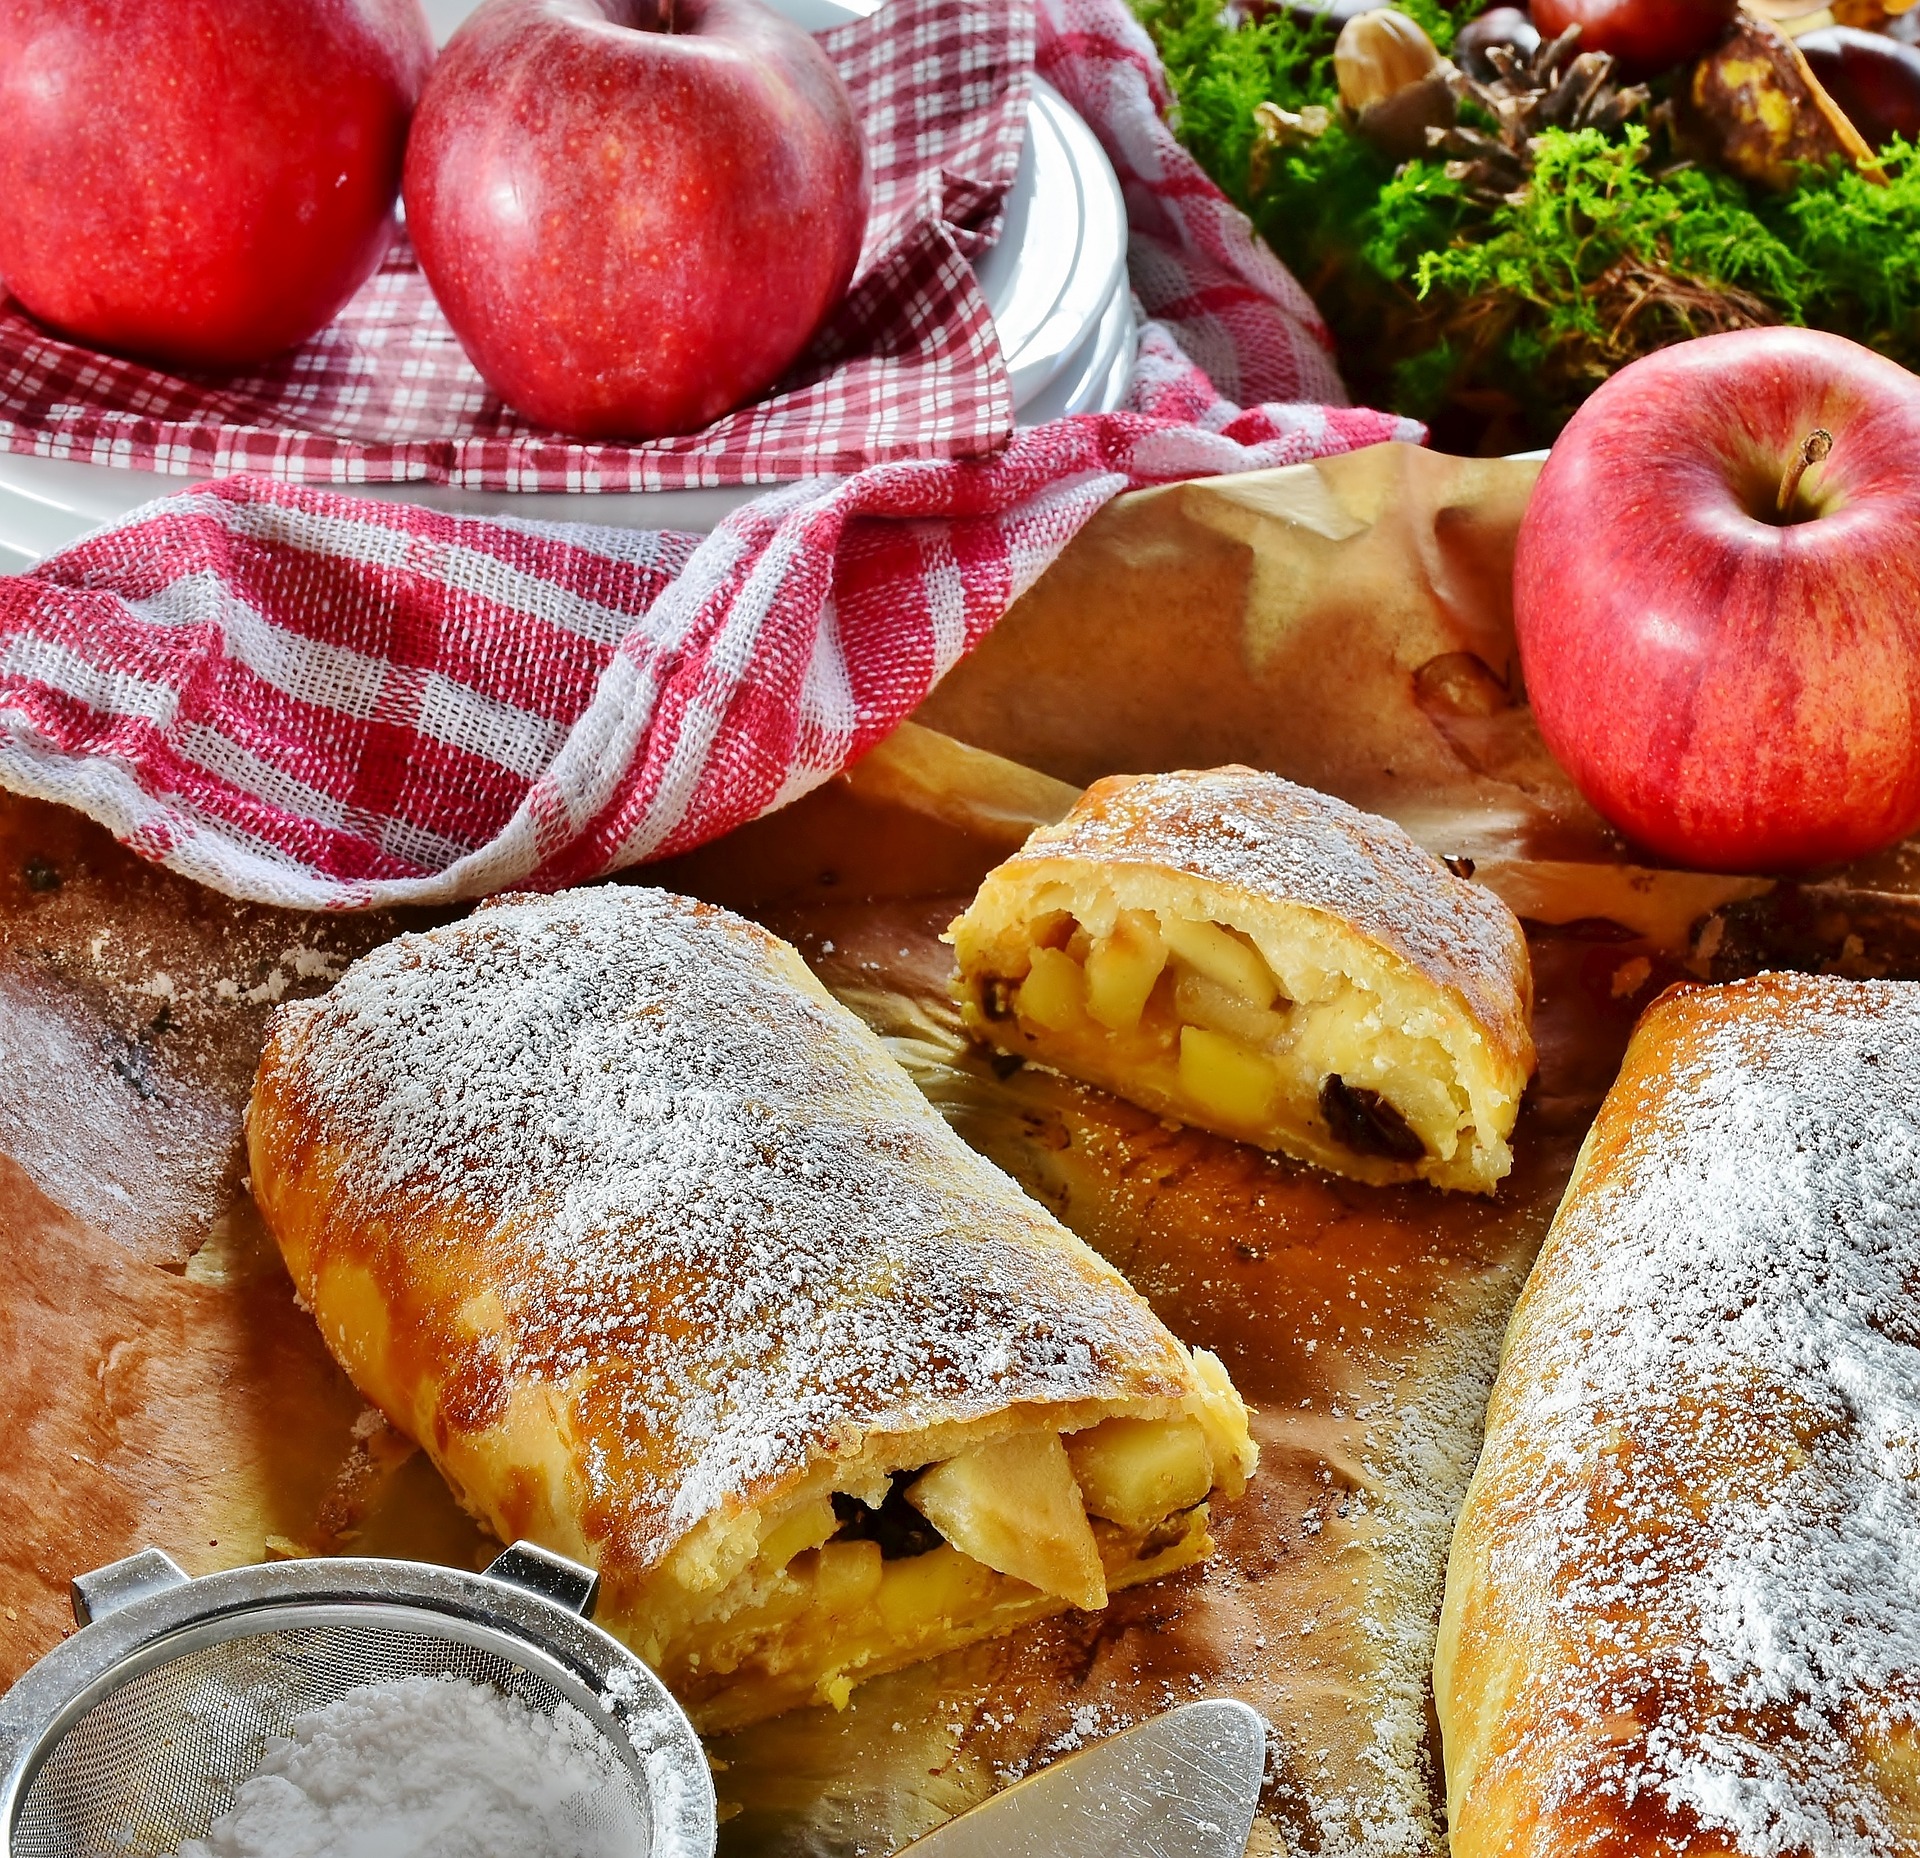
column 1056, row 283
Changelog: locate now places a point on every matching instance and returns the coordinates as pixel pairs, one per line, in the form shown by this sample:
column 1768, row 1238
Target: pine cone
column 1556, row 86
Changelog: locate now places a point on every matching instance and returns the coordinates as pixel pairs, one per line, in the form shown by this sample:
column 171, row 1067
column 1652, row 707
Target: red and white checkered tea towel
column 317, row 701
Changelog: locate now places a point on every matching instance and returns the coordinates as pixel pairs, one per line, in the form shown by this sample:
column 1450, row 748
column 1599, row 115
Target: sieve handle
column 553, row 1577
column 120, row 1583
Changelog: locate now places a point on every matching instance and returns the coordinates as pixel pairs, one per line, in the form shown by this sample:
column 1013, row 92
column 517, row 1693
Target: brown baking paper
column 1344, row 623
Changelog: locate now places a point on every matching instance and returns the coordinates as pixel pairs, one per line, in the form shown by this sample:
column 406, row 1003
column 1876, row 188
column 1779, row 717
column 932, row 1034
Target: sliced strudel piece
column 1683, row 1608
column 1264, row 961
column 645, row 1238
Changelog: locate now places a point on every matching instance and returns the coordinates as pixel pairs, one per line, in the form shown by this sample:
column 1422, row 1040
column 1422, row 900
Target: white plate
column 1094, row 376
column 1062, row 251
column 1056, row 282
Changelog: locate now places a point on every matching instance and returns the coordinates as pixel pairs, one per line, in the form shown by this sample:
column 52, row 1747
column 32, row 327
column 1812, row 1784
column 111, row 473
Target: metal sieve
column 135, row 1733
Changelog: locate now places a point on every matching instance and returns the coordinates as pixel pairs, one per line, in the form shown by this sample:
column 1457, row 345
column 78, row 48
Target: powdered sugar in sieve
column 325, row 1706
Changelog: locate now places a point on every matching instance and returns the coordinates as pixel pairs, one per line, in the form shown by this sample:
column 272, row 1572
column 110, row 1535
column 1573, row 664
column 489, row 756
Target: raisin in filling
column 1366, row 1122
column 896, row 1525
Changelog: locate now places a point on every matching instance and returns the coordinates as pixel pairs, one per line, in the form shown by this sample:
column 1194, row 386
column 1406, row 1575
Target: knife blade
column 1181, row 1785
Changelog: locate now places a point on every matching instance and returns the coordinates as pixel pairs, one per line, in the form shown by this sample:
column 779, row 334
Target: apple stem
column 1816, row 446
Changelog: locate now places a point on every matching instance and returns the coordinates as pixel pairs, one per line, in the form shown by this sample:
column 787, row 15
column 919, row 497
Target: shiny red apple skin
column 1733, row 692
column 634, row 231
column 201, row 183
column 1646, row 36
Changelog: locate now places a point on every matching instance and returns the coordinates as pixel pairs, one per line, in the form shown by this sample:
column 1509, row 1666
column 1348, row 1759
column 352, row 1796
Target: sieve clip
column 120, row 1583
column 540, row 1571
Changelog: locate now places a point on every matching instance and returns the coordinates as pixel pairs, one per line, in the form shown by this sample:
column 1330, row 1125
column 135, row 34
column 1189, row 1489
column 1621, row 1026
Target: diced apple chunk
column 847, row 1576
column 785, row 1597
column 1228, row 1080
column 1202, row 1002
column 1053, row 930
column 1224, row 1415
column 1122, row 969
column 1014, row 1506
column 807, row 1527
column 939, row 1588
column 1137, row 1472
column 1053, row 994
column 1221, row 956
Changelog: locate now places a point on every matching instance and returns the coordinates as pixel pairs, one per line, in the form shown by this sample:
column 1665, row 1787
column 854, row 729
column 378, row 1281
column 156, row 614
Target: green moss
column 1219, row 75
column 1422, row 381
column 1438, row 20
column 1861, row 247
column 1593, row 206
column 1499, row 316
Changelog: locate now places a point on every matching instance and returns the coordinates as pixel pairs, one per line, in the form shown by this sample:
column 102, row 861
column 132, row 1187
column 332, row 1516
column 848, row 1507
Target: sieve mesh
column 159, row 1759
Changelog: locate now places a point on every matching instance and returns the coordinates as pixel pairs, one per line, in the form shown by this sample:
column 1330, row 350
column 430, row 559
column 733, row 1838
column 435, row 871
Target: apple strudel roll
column 1683, row 1606
column 667, row 1265
column 1264, row 961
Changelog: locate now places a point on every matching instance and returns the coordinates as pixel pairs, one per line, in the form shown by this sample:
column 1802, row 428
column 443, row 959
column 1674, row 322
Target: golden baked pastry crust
column 1373, row 1017
column 605, row 1200
column 1683, row 1606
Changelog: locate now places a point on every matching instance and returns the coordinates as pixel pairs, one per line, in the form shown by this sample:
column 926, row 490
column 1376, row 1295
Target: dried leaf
column 1275, row 128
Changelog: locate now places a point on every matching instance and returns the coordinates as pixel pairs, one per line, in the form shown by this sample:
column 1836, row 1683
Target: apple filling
column 844, row 1583
column 1190, row 1017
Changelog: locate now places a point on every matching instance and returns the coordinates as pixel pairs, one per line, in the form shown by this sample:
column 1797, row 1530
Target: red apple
column 1874, row 79
column 1645, row 35
column 201, row 182
column 635, row 220
column 1732, row 680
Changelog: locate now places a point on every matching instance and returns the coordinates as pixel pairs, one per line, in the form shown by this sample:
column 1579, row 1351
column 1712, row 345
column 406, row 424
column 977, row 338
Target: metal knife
column 1182, row 1785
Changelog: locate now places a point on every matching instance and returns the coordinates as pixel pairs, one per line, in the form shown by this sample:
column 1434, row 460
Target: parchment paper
column 1343, row 623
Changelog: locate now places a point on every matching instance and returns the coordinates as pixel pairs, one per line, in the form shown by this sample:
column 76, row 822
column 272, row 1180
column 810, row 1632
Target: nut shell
column 1378, row 55
column 1504, row 26
column 1397, row 125
column 1755, row 106
column 1873, row 78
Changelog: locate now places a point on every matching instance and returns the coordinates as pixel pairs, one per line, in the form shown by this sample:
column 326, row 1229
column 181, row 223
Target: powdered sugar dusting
column 1705, row 1450
column 433, row 1768
column 721, row 1226
column 1268, row 836
column 1425, row 1439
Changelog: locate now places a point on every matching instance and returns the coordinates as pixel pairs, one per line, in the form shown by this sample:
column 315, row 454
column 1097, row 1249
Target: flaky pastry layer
column 1682, row 1610
column 668, row 1266
column 1254, row 958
